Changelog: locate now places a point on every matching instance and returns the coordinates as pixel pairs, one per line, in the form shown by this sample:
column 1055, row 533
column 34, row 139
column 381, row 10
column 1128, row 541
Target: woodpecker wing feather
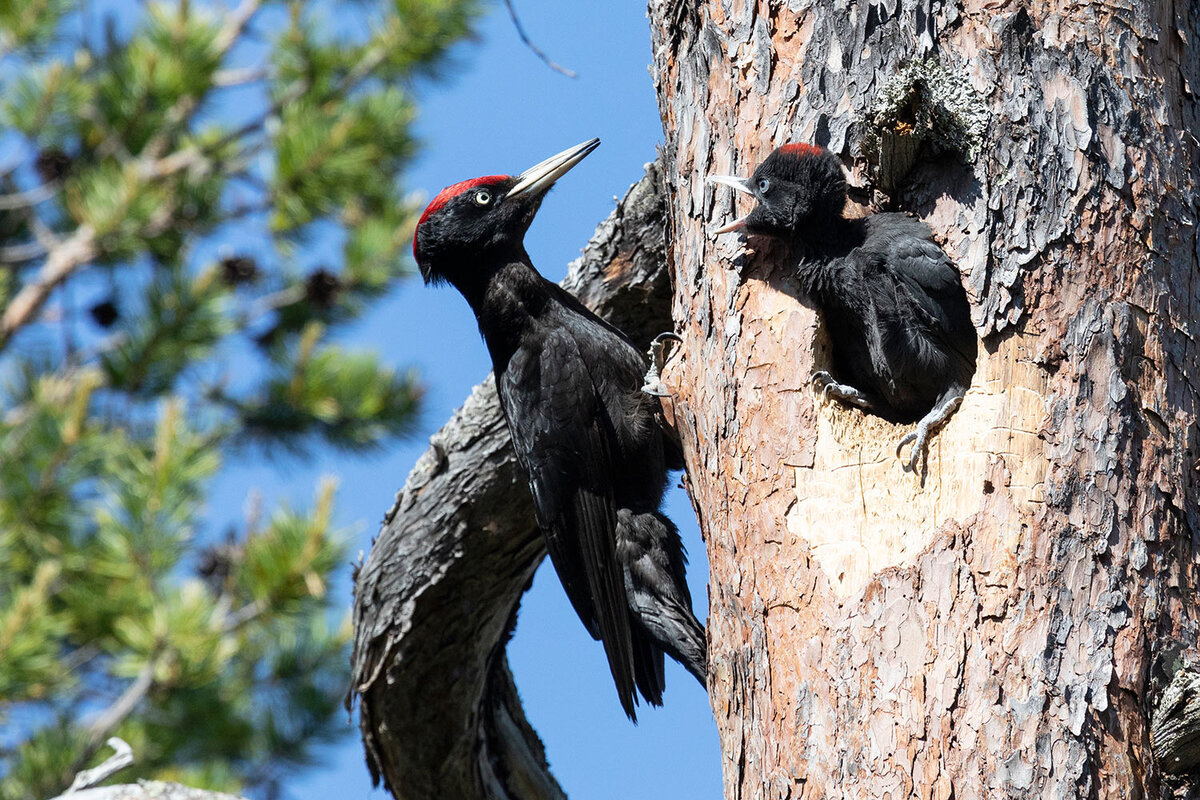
column 923, row 268
column 564, row 438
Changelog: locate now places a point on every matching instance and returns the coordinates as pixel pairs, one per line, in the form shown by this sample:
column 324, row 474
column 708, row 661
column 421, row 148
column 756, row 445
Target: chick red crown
column 801, row 149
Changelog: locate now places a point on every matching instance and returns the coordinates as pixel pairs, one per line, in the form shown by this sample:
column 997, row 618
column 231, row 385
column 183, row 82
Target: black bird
column 892, row 301
column 569, row 386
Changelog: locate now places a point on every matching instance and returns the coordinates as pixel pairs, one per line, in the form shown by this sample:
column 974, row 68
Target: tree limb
column 149, row 790
column 119, row 760
column 181, row 112
column 437, row 596
column 124, row 705
column 64, row 258
column 1175, row 724
column 18, row 253
column 235, row 23
column 226, row 78
column 29, row 198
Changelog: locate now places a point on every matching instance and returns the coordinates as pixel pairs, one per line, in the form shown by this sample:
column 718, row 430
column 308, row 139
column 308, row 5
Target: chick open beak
column 536, row 180
column 741, row 185
column 732, row 181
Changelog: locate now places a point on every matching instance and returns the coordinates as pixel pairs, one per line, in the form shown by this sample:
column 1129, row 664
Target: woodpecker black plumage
column 897, row 316
column 569, row 385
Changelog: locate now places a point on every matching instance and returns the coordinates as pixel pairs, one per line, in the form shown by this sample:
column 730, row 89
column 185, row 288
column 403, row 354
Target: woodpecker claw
column 936, row 417
column 821, row 381
column 825, row 383
column 657, row 355
column 920, row 450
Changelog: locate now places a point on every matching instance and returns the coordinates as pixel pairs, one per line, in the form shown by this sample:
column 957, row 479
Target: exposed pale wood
column 999, row 632
column 887, row 517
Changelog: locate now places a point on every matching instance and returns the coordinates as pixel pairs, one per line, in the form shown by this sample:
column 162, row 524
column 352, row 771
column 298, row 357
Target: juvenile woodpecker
column 570, row 389
column 903, row 344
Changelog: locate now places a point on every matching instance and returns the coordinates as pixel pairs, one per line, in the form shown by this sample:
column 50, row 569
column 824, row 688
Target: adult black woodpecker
column 570, row 389
column 898, row 319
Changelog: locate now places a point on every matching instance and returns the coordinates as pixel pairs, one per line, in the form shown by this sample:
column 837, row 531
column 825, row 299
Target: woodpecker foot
column 658, row 354
column 824, row 383
column 919, row 438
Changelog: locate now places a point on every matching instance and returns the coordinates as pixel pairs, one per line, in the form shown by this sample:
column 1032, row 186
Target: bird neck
column 509, row 297
column 823, row 271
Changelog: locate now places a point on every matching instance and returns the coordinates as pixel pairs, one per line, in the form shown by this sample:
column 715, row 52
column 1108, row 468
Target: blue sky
column 501, row 110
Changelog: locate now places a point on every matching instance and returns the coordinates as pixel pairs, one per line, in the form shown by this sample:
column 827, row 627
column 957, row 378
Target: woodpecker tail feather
column 660, row 605
column 647, row 665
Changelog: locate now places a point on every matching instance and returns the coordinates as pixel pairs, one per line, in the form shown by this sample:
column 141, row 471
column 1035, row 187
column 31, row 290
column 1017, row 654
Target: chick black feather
column 893, row 304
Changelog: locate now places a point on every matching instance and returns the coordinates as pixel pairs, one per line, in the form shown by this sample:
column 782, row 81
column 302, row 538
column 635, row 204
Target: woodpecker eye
column 763, row 185
column 483, row 197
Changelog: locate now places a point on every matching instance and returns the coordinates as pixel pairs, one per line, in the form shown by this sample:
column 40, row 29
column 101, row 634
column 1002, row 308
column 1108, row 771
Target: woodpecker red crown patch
column 449, row 193
column 801, row 149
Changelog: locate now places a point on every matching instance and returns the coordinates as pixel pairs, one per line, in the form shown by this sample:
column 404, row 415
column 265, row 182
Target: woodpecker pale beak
column 534, row 181
column 741, row 185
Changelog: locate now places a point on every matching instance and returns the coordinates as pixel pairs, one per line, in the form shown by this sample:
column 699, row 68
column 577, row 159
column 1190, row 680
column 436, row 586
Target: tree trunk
column 1007, row 628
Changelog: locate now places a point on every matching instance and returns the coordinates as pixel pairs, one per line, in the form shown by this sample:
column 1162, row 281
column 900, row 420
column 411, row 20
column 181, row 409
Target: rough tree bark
column 1006, row 629
column 437, row 596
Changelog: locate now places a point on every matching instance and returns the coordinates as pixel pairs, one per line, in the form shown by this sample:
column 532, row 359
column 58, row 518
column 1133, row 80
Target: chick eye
column 482, row 197
column 763, row 185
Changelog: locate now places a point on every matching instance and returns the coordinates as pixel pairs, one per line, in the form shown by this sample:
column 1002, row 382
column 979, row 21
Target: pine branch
column 360, row 72
column 244, row 616
column 198, row 158
column 64, row 258
column 29, row 198
column 235, row 24
column 99, row 731
column 118, row 761
column 124, row 705
column 180, row 113
column 226, row 78
column 20, row 253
